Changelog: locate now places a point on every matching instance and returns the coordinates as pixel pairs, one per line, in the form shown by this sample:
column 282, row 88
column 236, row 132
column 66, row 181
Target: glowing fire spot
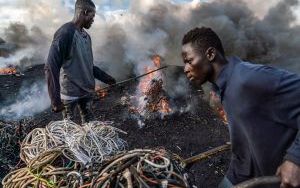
column 217, row 106
column 156, row 60
column 150, row 87
column 165, row 107
column 102, row 93
column 8, row 71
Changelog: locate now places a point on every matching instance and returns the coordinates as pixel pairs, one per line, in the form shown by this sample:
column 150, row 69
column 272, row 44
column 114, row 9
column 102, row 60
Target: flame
column 101, row 92
column 165, row 107
column 218, row 107
column 8, row 71
column 222, row 114
column 145, row 81
column 156, row 60
column 151, row 87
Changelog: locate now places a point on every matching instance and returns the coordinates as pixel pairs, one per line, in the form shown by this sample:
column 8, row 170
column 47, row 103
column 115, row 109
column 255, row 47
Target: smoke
column 125, row 41
column 152, row 27
column 32, row 99
column 31, row 46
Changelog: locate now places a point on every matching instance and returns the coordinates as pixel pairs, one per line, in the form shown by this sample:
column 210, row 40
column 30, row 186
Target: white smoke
column 15, row 59
column 124, row 41
column 30, row 101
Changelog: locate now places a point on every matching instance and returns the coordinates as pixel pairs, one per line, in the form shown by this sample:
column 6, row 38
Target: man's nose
column 186, row 68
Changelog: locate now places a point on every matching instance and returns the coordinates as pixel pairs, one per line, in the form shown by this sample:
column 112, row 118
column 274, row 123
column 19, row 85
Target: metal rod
column 130, row 79
column 207, row 154
column 261, row 181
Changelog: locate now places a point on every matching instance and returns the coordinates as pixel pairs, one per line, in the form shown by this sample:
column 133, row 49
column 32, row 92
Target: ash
column 185, row 133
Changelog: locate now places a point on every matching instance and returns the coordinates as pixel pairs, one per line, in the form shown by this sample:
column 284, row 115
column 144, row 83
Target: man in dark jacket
column 262, row 105
column 70, row 72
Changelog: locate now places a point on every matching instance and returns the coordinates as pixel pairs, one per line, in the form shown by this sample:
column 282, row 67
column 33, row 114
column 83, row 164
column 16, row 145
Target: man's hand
column 112, row 81
column 58, row 108
column 290, row 175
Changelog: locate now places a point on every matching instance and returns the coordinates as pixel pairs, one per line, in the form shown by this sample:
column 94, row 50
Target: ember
column 8, row 70
column 218, row 107
column 101, row 93
column 150, row 96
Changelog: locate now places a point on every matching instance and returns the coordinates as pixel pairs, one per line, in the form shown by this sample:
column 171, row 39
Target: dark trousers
column 84, row 106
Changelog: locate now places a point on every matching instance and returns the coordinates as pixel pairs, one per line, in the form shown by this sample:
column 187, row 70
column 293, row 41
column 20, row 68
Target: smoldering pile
column 175, row 132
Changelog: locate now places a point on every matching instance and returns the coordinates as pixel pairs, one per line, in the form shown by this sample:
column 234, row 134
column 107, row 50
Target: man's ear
column 211, row 53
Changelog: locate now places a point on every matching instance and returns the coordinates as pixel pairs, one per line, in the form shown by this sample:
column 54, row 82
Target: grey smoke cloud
column 30, row 101
column 274, row 38
column 31, row 46
column 124, row 41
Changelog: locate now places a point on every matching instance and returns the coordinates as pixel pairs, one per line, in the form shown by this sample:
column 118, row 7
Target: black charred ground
column 185, row 134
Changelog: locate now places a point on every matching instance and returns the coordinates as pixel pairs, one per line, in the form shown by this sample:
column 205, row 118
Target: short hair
column 84, row 4
column 203, row 38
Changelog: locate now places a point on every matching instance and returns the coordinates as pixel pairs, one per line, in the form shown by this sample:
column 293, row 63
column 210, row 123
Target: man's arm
column 102, row 76
column 52, row 71
column 289, row 92
column 59, row 50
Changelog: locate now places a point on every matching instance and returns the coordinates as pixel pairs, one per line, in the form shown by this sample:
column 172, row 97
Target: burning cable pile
column 150, row 99
column 65, row 154
column 152, row 91
column 156, row 98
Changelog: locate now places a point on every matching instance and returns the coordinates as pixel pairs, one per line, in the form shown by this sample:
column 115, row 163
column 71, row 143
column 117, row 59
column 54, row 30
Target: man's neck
column 218, row 66
column 78, row 24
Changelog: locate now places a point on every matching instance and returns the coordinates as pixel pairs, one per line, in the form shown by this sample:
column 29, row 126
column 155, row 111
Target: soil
column 185, row 134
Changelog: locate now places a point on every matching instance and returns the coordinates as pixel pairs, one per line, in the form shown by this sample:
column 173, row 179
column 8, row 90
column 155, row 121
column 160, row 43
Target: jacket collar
column 225, row 74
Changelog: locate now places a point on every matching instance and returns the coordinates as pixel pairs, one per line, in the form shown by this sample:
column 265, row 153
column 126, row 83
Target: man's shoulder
column 66, row 31
column 254, row 71
column 257, row 77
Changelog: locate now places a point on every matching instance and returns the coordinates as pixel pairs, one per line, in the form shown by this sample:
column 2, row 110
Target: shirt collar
column 225, row 75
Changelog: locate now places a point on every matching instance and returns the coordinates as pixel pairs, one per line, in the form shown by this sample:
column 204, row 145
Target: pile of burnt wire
column 64, row 154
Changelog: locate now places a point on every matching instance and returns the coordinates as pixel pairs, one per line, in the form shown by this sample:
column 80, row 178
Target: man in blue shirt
column 262, row 105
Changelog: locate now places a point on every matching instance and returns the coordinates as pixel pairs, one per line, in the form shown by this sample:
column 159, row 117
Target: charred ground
column 186, row 134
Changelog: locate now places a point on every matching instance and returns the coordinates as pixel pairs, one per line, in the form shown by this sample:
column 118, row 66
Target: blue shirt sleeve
column 288, row 108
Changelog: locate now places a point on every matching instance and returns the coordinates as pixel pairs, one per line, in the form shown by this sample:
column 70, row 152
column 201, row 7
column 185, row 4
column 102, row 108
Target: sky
column 13, row 10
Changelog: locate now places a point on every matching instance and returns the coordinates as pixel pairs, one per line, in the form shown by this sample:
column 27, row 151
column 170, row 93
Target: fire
column 8, row 71
column 165, row 107
column 145, row 81
column 222, row 114
column 156, row 60
column 101, row 92
column 151, row 88
column 218, row 107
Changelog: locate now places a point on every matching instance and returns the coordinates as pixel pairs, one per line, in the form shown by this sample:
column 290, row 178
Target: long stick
column 207, row 154
column 130, row 79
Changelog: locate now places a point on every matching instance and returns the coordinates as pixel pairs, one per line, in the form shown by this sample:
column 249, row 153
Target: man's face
column 197, row 67
column 89, row 18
